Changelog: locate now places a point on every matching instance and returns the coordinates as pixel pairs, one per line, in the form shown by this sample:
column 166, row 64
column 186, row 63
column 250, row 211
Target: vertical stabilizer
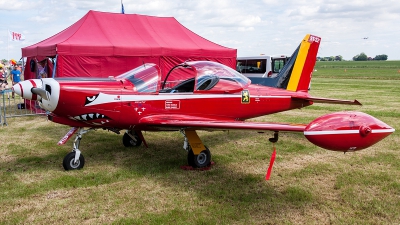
column 296, row 74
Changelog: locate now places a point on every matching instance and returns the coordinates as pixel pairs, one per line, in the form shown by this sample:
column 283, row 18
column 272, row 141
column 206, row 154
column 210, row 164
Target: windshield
column 145, row 78
column 204, row 76
column 212, row 73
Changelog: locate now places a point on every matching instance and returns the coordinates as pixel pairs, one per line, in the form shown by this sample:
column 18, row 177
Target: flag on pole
column 122, row 8
column 15, row 36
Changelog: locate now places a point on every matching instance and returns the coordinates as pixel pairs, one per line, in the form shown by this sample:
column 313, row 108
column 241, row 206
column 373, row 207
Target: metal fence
column 16, row 106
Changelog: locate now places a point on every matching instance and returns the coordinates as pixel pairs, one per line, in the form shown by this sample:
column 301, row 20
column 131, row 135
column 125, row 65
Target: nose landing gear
column 75, row 160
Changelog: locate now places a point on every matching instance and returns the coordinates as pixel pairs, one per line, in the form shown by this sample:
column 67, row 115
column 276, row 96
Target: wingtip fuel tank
column 346, row 131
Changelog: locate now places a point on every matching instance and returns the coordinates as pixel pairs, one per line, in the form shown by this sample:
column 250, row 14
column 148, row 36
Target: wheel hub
column 74, row 164
column 202, row 158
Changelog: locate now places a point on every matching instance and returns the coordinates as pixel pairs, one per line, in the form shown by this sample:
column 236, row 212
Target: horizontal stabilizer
column 330, row 101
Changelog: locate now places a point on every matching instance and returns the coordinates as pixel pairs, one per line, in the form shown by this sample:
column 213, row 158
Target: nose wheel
column 75, row 160
column 69, row 162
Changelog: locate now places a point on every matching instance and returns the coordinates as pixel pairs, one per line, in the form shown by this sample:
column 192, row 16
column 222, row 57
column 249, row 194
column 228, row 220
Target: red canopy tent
column 103, row 44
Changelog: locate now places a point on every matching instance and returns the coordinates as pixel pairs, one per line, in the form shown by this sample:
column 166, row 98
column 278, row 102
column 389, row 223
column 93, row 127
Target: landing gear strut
column 199, row 156
column 75, row 160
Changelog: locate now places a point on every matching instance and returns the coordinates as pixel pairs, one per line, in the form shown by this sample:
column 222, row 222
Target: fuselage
column 115, row 103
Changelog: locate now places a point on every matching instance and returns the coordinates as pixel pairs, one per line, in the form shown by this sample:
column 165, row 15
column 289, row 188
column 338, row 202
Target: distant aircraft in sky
column 365, row 38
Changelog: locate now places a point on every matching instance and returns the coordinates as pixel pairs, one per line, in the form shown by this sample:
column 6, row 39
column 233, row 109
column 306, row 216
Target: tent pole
column 54, row 68
column 23, row 65
column 8, row 37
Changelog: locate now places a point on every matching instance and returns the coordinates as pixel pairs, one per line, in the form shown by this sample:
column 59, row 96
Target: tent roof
column 115, row 34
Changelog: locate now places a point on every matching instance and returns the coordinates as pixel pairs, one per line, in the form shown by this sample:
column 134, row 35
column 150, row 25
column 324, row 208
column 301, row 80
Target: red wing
column 161, row 122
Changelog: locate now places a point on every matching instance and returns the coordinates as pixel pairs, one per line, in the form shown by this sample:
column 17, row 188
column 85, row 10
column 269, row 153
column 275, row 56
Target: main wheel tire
column 201, row 160
column 69, row 164
column 129, row 142
column 190, row 158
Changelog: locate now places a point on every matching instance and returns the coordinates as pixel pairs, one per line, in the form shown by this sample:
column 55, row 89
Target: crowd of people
column 13, row 72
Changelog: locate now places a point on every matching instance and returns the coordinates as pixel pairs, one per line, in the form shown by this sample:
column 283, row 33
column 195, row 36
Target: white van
column 261, row 66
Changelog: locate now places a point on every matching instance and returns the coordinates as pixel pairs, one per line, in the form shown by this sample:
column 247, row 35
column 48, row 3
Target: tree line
column 360, row 57
column 363, row 57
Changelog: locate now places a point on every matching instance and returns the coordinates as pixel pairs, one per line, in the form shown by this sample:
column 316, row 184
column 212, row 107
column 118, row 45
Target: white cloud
column 39, row 19
column 16, row 5
column 245, row 29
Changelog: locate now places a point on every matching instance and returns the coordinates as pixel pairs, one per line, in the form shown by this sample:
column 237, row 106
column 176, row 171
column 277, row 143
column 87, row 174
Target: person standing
column 15, row 77
column 3, row 80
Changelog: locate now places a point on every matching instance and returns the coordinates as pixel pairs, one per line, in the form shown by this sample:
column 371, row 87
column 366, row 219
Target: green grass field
column 119, row 185
column 359, row 70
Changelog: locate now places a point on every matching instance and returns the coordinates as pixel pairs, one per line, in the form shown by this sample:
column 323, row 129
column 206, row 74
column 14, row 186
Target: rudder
column 296, row 74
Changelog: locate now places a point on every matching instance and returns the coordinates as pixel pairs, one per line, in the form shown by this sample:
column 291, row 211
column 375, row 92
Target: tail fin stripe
column 299, row 64
column 297, row 72
column 305, row 79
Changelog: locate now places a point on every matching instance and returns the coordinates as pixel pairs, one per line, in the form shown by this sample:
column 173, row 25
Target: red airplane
column 197, row 95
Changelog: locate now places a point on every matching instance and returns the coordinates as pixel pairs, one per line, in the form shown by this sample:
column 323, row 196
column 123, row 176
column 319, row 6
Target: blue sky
column 253, row 27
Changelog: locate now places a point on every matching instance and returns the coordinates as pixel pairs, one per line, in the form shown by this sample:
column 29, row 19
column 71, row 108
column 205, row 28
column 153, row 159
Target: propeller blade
column 41, row 92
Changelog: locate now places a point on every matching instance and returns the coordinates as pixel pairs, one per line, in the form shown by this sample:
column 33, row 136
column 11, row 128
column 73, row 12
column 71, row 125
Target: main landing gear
column 131, row 139
column 199, row 156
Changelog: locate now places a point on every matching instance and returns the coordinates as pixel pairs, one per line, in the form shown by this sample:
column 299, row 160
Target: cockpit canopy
column 145, row 78
column 196, row 77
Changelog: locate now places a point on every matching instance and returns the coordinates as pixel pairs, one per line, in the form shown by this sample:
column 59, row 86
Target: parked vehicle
column 261, row 66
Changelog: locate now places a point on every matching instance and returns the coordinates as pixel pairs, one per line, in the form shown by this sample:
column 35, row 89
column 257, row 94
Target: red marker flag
column 271, row 163
column 16, row 36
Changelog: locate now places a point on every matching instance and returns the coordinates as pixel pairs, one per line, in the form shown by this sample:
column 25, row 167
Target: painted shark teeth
column 89, row 116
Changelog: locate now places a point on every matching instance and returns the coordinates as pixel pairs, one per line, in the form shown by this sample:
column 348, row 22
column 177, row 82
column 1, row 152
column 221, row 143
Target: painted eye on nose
column 90, row 99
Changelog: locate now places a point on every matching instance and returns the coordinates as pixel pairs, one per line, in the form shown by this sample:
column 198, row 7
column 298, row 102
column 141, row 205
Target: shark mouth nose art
column 92, row 118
